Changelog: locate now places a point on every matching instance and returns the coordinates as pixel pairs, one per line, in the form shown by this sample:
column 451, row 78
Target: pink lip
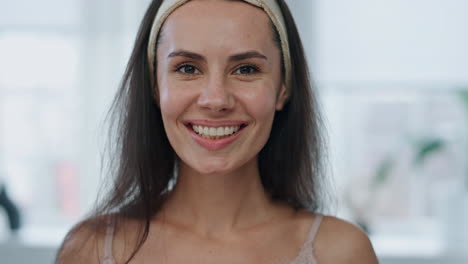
column 214, row 144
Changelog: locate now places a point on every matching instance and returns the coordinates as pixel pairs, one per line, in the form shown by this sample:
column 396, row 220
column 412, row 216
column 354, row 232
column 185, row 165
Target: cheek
column 165, row 98
column 170, row 101
column 260, row 102
column 167, row 95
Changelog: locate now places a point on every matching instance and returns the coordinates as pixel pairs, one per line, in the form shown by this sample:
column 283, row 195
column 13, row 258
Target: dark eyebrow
column 247, row 55
column 188, row 54
column 236, row 57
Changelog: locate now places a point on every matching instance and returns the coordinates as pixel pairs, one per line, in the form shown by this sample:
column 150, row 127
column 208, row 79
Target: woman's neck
column 213, row 205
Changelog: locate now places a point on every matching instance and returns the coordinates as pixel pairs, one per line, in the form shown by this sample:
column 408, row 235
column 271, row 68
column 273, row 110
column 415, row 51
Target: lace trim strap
column 108, row 258
column 314, row 229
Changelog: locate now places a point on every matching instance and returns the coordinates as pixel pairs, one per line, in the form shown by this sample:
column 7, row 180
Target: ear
column 282, row 98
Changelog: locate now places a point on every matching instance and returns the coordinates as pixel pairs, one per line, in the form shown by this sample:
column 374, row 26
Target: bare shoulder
column 339, row 241
column 83, row 243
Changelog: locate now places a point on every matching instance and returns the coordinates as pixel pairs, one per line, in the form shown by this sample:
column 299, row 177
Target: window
column 59, row 69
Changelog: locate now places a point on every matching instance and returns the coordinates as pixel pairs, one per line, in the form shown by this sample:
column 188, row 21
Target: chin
column 212, row 166
column 213, row 170
column 217, row 166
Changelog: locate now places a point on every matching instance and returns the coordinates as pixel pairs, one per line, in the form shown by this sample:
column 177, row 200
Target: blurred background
column 392, row 78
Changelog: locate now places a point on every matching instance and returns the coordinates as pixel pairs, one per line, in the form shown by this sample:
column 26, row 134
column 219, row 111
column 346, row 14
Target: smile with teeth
column 215, row 132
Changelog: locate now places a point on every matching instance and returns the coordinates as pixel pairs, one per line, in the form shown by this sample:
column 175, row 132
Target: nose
column 216, row 96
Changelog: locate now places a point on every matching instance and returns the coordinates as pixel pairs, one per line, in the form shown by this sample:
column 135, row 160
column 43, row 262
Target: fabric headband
column 270, row 7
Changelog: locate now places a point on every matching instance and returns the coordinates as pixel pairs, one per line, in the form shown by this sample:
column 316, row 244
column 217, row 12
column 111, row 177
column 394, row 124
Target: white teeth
column 213, row 132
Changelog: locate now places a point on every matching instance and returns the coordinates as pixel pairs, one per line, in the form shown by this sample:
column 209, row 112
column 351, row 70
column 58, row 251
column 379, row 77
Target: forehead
column 220, row 23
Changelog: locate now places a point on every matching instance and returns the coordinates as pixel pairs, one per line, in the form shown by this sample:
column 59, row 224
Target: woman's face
column 219, row 81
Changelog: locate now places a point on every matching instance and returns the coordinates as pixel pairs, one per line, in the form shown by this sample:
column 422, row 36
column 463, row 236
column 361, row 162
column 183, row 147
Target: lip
column 212, row 123
column 215, row 144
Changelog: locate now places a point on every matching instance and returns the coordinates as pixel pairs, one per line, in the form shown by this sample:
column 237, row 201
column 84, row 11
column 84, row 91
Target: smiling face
column 219, row 83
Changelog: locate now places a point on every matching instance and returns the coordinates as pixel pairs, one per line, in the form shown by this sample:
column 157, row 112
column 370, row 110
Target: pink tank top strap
column 307, row 255
column 314, row 229
column 108, row 241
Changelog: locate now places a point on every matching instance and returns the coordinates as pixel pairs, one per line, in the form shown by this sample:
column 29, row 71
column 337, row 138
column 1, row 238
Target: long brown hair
column 143, row 163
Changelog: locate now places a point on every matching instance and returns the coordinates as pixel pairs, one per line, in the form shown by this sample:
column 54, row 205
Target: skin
column 218, row 211
column 223, row 184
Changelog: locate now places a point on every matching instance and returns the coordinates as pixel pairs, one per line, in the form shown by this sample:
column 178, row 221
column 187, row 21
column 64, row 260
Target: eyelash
column 254, row 69
column 180, row 67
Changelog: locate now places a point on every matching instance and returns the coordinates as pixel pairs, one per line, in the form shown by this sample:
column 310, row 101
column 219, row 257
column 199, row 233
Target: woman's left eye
column 188, row 69
column 246, row 69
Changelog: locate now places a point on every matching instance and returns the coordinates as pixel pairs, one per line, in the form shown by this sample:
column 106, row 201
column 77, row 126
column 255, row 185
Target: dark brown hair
column 143, row 163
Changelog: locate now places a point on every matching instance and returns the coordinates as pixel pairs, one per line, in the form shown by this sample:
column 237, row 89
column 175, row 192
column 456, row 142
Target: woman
column 218, row 147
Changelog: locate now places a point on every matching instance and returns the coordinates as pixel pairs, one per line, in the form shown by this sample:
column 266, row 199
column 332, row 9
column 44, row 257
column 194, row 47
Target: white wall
column 391, row 40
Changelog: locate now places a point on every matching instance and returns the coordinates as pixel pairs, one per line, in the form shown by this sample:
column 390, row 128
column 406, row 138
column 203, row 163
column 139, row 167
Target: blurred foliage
column 423, row 148
column 383, row 171
column 462, row 94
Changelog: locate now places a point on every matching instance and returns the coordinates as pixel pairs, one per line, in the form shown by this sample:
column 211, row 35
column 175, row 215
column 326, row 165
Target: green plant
column 423, row 148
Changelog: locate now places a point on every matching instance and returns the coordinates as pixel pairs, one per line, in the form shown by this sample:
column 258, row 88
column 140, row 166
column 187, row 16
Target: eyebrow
column 247, row 55
column 235, row 57
column 188, row 54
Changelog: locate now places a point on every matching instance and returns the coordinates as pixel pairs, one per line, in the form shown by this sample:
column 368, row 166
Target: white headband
column 270, row 7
